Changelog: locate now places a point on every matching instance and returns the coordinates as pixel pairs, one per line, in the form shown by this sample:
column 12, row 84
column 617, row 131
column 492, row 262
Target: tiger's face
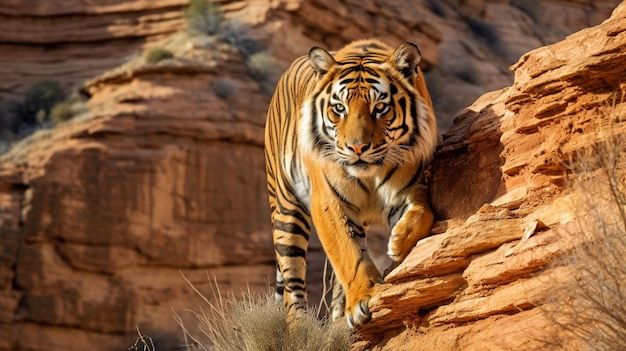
column 364, row 113
column 358, row 115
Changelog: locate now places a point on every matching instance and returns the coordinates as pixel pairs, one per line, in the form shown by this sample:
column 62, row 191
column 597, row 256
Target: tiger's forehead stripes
column 358, row 68
column 361, row 81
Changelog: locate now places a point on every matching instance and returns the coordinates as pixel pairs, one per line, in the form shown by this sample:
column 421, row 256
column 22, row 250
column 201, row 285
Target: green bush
column 39, row 100
column 44, row 104
column 157, row 54
column 20, row 118
column 203, row 16
column 61, row 112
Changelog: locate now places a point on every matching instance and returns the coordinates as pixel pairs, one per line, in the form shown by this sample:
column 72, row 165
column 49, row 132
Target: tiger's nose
column 358, row 148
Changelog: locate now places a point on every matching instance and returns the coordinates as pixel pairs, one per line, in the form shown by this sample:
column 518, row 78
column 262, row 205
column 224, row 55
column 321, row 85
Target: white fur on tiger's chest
column 373, row 199
column 385, row 198
column 371, row 196
column 302, row 188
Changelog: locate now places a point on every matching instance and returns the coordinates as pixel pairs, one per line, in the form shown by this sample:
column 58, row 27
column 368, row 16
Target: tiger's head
column 367, row 109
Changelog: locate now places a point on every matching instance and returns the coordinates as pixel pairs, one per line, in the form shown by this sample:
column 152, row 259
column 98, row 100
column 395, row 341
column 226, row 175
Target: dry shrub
column 258, row 322
column 61, row 112
column 158, row 54
column 226, row 89
column 203, row 16
column 589, row 311
column 143, row 343
column 263, row 68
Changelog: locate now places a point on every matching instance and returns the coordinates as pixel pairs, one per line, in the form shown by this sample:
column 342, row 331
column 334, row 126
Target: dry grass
column 589, row 311
column 258, row 322
column 143, row 343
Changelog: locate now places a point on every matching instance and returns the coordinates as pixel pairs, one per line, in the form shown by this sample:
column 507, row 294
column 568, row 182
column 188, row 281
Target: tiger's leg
column 344, row 242
column 291, row 230
column 338, row 302
column 280, row 285
column 414, row 224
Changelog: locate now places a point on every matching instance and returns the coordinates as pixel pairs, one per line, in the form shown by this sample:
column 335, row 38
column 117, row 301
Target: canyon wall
column 511, row 210
column 162, row 177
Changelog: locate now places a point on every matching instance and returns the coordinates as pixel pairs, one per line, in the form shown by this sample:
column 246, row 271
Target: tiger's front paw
column 359, row 312
column 414, row 225
column 357, row 300
column 399, row 247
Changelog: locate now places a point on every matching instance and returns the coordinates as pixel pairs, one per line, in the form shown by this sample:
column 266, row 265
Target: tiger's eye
column 339, row 109
column 380, row 109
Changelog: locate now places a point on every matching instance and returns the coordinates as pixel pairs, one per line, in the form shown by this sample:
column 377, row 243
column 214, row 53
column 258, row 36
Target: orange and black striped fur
column 347, row 138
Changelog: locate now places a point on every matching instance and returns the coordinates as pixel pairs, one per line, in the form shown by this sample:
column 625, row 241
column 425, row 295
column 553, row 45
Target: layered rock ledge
column 499, row 185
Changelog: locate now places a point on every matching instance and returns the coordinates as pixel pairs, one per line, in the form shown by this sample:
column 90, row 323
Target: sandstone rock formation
column 74, row 40
column 102, row 216
column 477, row 283
column 469, row 44
column 164, row 173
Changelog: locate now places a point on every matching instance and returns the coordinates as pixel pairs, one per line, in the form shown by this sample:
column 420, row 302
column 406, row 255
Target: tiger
column 347, row 138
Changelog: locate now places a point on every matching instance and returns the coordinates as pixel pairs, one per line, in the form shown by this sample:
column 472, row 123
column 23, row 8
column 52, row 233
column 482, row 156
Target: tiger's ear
column 405, row 59
column 321, row 60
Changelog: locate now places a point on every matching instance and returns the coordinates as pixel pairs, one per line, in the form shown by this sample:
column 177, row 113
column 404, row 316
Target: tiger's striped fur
column 346, row 141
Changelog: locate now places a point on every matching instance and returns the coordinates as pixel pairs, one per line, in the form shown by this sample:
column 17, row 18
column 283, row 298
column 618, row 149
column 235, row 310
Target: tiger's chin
column 362, row 169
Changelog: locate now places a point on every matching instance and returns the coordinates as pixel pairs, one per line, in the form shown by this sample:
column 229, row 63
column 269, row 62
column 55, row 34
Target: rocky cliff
column 469, row 44
column 103, row 215
column 500, row 184
column 163, row 175
column 74, row 40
